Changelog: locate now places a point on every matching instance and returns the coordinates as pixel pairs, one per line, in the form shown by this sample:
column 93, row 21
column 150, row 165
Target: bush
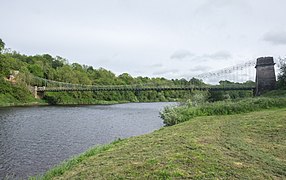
column 14, row 93
column 175, row 115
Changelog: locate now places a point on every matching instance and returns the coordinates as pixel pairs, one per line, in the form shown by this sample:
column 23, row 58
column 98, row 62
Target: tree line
column 59, row 69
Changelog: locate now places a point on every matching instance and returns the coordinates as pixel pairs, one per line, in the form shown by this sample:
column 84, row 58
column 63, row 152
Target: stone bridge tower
column 265, row 75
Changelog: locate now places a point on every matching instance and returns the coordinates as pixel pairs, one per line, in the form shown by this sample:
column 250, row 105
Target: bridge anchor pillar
column 35, row 92
column 38, row 94
column 265, row 75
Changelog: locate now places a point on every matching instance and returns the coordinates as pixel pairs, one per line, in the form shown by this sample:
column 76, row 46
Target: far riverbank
column 45, row 103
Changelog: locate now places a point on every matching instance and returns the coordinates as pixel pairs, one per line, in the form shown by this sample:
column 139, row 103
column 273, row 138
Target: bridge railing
column 142, row 87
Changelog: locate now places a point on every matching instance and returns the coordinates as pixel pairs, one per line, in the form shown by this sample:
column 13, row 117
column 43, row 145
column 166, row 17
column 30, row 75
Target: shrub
column 175, row 115
column 14, row 92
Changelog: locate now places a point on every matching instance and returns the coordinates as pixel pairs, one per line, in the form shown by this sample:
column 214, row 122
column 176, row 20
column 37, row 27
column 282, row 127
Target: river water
column 34, row 139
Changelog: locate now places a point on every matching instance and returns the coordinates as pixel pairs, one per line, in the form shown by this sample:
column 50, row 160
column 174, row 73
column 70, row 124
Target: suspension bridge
column 265, row 80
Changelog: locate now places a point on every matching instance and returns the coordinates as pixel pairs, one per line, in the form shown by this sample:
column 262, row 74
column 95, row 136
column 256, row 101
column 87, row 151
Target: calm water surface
column 34, row 139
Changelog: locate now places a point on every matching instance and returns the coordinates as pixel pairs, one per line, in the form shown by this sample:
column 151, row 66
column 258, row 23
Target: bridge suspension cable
column 237, row 73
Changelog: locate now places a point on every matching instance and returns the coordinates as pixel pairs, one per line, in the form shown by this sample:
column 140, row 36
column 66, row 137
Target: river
column 34, row 139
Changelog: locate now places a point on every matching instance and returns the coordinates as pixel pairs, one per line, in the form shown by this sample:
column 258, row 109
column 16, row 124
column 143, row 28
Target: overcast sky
column 166, row 38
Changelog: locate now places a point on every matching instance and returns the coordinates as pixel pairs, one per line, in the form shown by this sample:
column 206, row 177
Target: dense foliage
column 59, row 69
column 282, row 74
column 14, row 94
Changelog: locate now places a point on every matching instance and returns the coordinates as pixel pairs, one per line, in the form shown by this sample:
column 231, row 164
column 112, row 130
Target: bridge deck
column 211, row 88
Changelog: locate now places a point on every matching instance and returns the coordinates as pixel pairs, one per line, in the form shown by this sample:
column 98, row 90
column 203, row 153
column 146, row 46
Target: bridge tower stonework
column 37, row 94
column 265, row 75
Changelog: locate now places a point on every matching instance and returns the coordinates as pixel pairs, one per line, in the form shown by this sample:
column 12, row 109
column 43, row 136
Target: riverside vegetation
column 176, row 115
column 59, row 69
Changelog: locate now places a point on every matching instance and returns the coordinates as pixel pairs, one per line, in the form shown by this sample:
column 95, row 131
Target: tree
column 36, row 70
column 48, row 59
column 196, row 82
column 282, row 75
column 89, row 69
column 128, row 79
column 2, row 45
column 59, row 62
column 76, row 66
column 4, row 66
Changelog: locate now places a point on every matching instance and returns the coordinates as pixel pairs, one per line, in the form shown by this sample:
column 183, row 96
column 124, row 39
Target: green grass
column 7, row 100
column 275, row 93
column 241, row 146
column 16, row 95
column 175, row 115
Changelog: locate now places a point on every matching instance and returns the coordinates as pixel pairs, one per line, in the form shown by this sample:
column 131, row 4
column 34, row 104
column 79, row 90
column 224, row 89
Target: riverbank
column 26, row 104
column 44, row 103
column 243, row 146
column 8, row 101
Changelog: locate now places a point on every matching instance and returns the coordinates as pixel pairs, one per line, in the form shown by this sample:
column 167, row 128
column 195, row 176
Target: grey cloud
column 164, row 72
column 139, row 72
column 156, row 65
column 276, row 38
column 194, row 71
column 181, row 54
column 209, row 6
column 199, row 68
column 245, row 75
column 103, row 61
column 218, row 55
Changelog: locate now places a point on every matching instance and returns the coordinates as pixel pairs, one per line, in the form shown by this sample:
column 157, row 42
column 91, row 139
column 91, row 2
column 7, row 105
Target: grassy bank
column 275, row 93
column 18, row 104
column 40, row 102
column 242, row 146
column 176, row 115
column 7, row 100
column 13, row 94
